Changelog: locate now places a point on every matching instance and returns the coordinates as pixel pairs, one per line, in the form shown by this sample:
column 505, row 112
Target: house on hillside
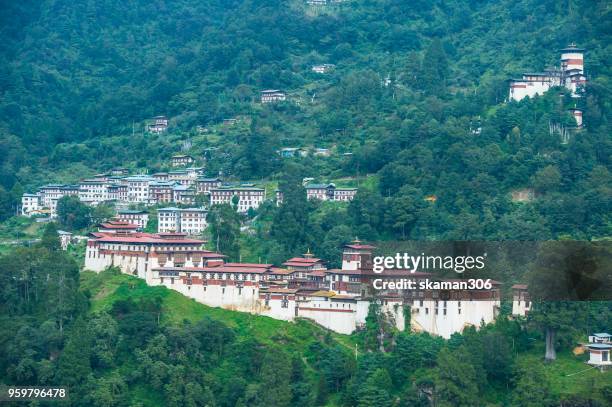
column 323, row 68
column 600, row 347
column 158, row 124
column 272, row 96
column 180, row 160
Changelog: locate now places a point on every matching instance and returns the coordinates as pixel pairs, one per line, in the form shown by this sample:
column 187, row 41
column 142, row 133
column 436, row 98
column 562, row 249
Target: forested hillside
column 413, row 79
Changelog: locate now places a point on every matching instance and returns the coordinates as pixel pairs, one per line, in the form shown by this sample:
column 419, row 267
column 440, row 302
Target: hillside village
column 181, row 186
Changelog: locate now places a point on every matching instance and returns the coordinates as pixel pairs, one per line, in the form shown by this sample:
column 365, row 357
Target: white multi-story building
column 30, row 203
column 204, row 185
column 183, row 194
column 324, row 192
column 118, row 192
column 135, row 217
column 158, row 124
column 191, row 221
column 272, row 96
column 51, row 193
column 139, row 253
column 569, row 74
column 138, row 188
column 248, row 197
column 93, row 191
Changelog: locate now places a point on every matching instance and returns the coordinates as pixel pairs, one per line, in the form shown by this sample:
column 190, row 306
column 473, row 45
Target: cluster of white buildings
column 178, row 187
column 302, row 287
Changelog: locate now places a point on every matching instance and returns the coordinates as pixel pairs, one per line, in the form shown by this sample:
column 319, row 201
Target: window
column 605, row 356
column 426, row 311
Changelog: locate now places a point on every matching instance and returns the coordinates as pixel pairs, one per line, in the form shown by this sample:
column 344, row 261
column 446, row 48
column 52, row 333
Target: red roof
column 311, row 260
column 297, row 264
column 519, row 286
column 258, row 265
column 140, row 238
column 317, row 273
column 360, row 246
column 283, row 272
column 217, row 269
column 118, row 225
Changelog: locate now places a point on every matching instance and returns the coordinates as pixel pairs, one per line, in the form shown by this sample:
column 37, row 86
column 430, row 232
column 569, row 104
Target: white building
column 324, row 192
column 51, row 193
column 569, row 74
column 181, row 160
column 94, row 191
column 521, row 301
column 577, row 115
column 323, row 68
column 135, row 217
column 30, row 203
column 117, row 192
column 183, row 194
column 600, row 338
column 138, row 188
column 65, row 239
column 158, row 124
column 272, row 96
column 137, row 253
column 191, row 221
column 599, row 354
column 329, row 192
column 204, row 185
column 248, row 197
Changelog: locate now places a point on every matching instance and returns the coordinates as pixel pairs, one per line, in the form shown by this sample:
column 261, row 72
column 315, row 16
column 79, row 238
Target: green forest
column 412, row 82
column 416, row 117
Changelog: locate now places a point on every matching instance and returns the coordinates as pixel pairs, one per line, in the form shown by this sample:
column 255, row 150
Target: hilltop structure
column 569, row 74
column 338, row 299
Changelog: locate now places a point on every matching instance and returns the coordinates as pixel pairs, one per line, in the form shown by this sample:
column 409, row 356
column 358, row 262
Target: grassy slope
column 108, row 287
column 582, row 380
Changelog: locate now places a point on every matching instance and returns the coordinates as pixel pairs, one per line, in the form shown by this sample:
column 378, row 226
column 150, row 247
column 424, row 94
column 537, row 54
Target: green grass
column 110, row 286
column 581, row 381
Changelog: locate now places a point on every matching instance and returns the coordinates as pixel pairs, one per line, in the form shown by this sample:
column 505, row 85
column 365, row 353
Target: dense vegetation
column 413, row 81
column 417, row 98
column 117, row 342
